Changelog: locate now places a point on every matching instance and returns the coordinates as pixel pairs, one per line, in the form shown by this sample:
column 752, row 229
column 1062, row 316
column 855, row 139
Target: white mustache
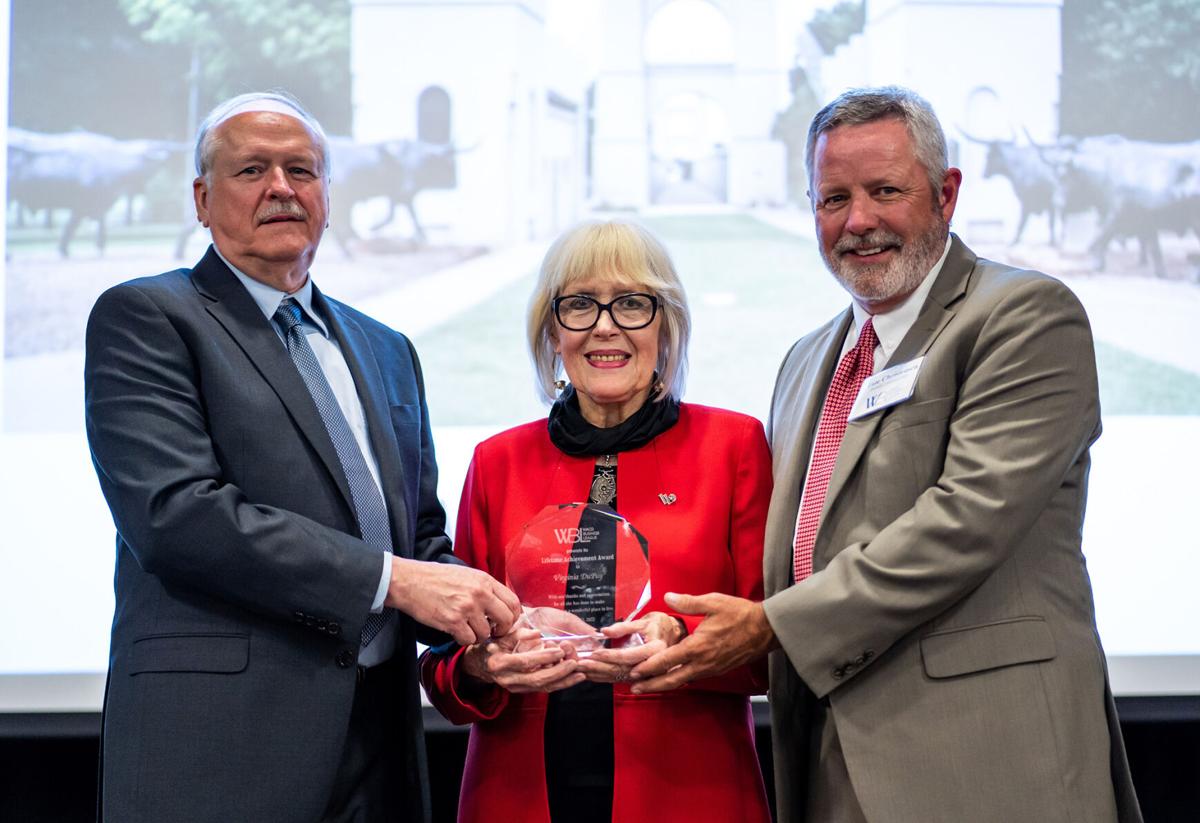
column 288, row 208
column 879, row 238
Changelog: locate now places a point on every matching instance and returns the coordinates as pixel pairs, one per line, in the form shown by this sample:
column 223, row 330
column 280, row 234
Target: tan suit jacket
column 949, row 625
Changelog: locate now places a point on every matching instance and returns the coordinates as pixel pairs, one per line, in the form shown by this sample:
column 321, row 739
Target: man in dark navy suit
column 266, row 454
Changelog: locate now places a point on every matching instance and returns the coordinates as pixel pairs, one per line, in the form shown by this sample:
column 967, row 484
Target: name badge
column 889, row 387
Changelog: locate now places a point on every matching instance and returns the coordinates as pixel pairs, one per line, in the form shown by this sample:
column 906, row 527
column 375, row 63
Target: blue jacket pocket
column 214, row 653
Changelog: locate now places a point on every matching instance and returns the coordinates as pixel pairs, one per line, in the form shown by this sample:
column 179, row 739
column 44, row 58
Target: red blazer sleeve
column 459, row 698
column 747, row 525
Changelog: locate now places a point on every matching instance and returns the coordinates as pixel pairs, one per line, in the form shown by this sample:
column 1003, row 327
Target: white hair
column 207, row 140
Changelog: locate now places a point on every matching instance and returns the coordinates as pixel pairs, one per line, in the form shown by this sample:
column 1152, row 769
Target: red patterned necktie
column 855, row 367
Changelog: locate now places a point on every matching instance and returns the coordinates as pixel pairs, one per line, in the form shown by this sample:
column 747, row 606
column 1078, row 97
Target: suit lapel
column 233, row 307
column 799, row 395
column 640, row 482
column 799, row 404
column 937, row 312
column 951, row 284
column 570, row 480
column 368, row 382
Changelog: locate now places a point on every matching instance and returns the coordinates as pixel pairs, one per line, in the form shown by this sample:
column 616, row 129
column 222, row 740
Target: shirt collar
column 269, row 298
column 890, row 327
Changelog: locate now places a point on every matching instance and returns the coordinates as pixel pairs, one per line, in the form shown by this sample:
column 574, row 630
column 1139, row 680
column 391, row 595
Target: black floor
column 53, row 780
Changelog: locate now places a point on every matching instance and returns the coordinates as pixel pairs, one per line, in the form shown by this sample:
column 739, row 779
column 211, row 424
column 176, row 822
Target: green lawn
column 35, row 238
column 1132, row 384
column 753, row 290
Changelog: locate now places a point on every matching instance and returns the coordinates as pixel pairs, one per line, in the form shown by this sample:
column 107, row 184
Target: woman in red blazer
column 560, row 738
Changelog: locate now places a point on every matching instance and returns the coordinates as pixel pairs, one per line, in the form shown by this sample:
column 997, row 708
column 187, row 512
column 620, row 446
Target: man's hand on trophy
column 734, row 631
column 468, row 604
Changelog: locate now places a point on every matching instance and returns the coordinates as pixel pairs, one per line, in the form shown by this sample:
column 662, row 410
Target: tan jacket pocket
column 989, row 646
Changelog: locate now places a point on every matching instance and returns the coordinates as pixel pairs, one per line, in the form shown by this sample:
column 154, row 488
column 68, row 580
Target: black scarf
column 574, row 435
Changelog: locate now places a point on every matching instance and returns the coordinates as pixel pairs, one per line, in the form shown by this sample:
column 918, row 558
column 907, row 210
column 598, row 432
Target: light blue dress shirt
column 333, row 364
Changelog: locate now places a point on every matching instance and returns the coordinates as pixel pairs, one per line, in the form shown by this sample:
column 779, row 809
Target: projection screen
column 467, row 135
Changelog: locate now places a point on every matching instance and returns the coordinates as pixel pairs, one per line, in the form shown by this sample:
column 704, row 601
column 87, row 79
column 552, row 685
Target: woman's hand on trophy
column 520, row 662
column 631, row 642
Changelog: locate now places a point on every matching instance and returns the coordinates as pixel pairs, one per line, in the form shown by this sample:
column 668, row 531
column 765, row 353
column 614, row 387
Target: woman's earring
column 559, row 385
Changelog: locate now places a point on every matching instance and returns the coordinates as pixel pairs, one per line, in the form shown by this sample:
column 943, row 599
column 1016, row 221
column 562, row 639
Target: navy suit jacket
column 242, row 583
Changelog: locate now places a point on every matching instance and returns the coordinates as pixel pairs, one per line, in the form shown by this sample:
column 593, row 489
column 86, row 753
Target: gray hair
column 868, row 105
column 277, row 101
column 613, row 250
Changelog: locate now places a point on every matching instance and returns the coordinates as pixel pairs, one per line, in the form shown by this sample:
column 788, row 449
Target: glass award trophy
column 577, row 567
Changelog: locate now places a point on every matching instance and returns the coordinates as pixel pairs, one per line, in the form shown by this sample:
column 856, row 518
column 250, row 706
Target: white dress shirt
column 890, row 327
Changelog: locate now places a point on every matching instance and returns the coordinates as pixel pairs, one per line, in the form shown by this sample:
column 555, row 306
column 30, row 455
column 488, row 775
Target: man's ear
column 948, row 195
column 200, row 196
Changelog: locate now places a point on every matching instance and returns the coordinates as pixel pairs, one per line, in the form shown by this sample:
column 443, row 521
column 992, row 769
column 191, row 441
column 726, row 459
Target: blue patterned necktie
column 368, row 502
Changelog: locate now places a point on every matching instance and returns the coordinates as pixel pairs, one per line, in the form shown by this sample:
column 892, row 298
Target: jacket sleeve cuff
column 748, row 679
column 459, row 698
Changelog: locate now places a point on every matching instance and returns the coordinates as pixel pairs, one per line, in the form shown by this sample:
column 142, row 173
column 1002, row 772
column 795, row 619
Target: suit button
column 334, row 629
column 344, row 659
column 839, row 673
column 867, row 656
column 298, row 617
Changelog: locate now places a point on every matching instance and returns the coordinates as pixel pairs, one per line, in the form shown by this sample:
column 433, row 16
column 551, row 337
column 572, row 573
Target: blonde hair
column 610, row 250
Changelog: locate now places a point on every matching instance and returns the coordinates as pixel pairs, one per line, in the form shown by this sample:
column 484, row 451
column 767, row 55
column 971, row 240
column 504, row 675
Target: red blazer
column 682, row 756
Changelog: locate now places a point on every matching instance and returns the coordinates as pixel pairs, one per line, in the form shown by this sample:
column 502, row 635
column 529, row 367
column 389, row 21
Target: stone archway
column 687, row 45
column 683, row 113
column 689, row 151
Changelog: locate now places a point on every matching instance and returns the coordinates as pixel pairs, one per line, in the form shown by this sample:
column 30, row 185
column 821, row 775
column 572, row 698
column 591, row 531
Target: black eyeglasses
column 578, row 312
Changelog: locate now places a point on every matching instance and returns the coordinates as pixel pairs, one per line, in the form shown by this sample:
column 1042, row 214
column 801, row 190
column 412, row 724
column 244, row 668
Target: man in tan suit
column 929, row 613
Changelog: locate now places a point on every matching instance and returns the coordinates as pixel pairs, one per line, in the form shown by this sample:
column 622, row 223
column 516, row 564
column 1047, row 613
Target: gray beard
column 884, row 281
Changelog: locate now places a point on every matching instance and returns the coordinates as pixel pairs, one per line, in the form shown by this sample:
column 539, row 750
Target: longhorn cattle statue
column 1034, row 181
column 1139, row 189
column 394, row 169
column 81, row 171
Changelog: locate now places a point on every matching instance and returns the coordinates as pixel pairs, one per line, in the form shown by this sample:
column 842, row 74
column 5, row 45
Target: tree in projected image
column 1139, row 54
column 224, row 36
